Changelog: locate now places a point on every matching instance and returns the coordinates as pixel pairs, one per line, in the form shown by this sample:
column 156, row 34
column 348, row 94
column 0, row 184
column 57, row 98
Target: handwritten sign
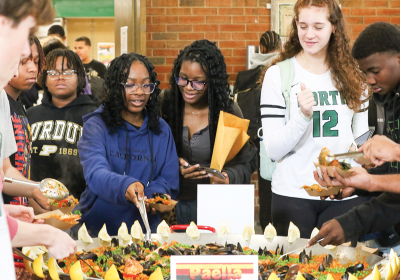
column 230, row 267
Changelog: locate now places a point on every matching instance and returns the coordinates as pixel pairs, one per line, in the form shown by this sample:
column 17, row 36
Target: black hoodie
column 55, row 135
column 382, row 211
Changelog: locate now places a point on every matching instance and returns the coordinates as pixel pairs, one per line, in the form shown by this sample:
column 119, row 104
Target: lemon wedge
column 53, row 271
column 293, row 233
column 136, row 232
column 103, row 236
column 28, row 264
column 75, row 272
column 84, row 236
column 164, row 230
column 156, row 275
column 329, row 277
column 387, row 272
column 248, row 232
column 376, row 275
column 34, row 249
column 269, row 232
column 223, row 229
column 192, row 231
column 273, row 276
column 38, row 266
column 300, row 276
column 352, row 277
column 123, row 233
column 112, row 274
column 394, row 259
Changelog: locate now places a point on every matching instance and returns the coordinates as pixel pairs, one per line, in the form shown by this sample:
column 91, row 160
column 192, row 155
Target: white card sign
column 233, row 204
column 214, row 267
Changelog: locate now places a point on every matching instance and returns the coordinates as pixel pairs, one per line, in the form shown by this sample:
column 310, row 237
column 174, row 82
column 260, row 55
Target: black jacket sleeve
column 377, row 214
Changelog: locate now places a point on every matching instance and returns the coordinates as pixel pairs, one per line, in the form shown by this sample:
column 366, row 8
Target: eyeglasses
column 67, row 74
column 197, row 85
column 133, row 88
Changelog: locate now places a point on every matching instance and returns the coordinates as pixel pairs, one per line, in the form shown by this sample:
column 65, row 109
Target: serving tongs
column 46, row 187
column 354, row 155
column 143, row 213
column 298, row 249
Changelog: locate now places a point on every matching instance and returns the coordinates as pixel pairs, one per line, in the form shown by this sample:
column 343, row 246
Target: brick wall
column 234, row 24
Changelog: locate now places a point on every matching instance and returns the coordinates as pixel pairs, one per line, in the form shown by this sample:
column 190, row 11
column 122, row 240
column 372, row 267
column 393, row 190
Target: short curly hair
column 213, row 65
column 379, row 37
column 73, row 62
column 114, row 103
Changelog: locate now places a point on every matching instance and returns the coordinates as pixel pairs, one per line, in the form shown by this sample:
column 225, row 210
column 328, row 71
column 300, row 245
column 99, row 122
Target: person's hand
column 332, row 233
column 61, row 244
column 216, row 180
column 328, row 181
column 189, row 172
column 342, row 194
column 22, row 213
column 380, row 149
column 153, row 210
column 360, row 179
column 306, row 101
column 41, row 199
column 130, row 194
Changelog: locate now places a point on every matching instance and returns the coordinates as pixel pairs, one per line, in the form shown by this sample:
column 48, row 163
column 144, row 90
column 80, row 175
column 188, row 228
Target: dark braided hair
column 212, row 62
column 114, row 102
column 271, row 41
column 35, row 40
column 73, row 62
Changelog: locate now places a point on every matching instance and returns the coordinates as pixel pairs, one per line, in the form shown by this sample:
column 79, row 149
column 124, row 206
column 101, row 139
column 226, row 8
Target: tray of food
column 141, row 260
column 161, row 202
column 60, row 220
column 343, row 168
column 64, row 205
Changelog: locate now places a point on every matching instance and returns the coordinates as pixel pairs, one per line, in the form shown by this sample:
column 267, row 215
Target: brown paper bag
column 229, row 140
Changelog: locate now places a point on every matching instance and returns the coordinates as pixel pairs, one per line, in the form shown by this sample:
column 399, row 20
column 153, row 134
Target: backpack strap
column 287, row 75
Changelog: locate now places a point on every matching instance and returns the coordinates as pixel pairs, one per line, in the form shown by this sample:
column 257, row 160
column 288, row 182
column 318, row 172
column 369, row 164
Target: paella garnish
column 164, row 230
column 67, row 202
column 192, row 231
column 137, row 232
column 83, row 234
column 223, row 229
column 293, row 232
column 103, row 235
column 269, row 232
column 123, row 233
column 248, row 232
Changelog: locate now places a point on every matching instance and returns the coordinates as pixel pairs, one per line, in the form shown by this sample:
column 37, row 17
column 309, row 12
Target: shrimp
column 133, row 267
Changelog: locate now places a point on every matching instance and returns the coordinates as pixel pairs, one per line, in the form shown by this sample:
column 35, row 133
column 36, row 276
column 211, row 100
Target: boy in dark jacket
column 377, row 51
column 57, row 122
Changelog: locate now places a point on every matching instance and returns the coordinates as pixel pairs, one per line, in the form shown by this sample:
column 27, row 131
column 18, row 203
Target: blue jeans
column 186, row 212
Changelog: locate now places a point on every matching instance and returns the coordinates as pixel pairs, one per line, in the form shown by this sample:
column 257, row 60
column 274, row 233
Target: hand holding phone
column 197, row 172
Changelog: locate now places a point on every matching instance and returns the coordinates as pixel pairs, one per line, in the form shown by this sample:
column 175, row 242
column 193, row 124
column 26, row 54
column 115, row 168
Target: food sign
column 214, row 267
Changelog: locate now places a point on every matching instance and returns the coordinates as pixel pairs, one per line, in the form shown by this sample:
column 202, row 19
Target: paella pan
column 141, row 260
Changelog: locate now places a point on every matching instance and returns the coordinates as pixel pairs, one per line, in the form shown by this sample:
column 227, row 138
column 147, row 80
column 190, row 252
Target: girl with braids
column 326, row 110
column 56, row 124
column 199, row 91
column 126, row 149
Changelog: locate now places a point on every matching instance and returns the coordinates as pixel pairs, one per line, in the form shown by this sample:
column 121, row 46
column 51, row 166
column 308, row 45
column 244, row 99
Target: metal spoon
column 50, row 188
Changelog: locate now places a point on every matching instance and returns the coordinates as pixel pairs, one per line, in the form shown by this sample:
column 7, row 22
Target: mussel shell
column 107, row 253
column 88, row 256
column 321, row 268
column 345, row 276
column 308, row 276
column 168, row 277
column 327, row 261
column 277, row 250
column 303, row 258
column 163, row 196
column 353, row 269
column 173, row 251
column 61, row 264
column 118, row 259
column 282, row 269
column 148, row 264
column 285, row 258
column 230, row 246
column 121, row 276
column 114, row 242
column 239, row 247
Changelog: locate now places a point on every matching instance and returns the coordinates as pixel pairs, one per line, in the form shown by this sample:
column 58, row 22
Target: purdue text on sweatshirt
column 55, row 135
column 106, row 156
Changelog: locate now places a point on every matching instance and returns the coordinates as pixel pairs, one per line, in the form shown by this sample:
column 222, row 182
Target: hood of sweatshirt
column 79, row 101
column 257, row 59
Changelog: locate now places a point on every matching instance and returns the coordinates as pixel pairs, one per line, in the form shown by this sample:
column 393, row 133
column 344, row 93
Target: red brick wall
column 234, row 24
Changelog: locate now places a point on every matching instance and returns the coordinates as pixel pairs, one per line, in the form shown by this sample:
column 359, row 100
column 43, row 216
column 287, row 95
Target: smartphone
column 208, row 170
column 364, row 138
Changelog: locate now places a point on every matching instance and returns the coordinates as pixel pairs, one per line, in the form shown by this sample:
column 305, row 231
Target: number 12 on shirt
column 331, row 116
